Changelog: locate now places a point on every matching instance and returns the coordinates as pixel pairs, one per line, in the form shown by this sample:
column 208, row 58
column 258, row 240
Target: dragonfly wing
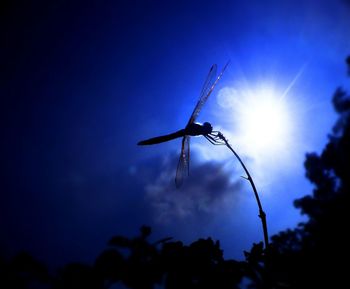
column 207, row 89
column 183, row 165
column 188, row 155
column 204, row 93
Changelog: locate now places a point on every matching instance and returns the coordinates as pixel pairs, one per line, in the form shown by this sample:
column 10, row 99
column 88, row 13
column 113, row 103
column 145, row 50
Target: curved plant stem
column 262, row 214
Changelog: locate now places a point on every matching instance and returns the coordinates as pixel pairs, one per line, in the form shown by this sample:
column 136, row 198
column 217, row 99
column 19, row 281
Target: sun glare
column 264, row 121
column 261, row 117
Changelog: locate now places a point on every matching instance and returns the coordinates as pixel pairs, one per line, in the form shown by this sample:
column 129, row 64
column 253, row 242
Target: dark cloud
column 208, row 191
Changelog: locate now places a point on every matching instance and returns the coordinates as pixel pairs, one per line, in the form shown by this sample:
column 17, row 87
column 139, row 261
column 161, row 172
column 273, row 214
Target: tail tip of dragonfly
column 141, row 143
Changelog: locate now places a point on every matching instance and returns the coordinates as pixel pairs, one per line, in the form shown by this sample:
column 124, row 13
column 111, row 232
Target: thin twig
column 262, row 214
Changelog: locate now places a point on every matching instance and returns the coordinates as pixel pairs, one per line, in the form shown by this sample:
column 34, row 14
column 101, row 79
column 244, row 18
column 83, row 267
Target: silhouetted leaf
column 110, row 265
column 145, row 231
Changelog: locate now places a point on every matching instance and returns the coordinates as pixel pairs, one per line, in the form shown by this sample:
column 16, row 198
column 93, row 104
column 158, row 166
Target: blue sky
column 85, row 82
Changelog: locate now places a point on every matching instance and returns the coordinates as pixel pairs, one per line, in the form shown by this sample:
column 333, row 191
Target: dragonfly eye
column 207, row 127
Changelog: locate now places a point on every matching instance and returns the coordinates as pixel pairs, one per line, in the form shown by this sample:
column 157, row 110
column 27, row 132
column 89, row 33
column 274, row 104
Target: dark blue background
column 82, row 83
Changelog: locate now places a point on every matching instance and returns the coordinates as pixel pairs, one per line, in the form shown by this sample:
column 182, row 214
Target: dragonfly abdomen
column 163, row 138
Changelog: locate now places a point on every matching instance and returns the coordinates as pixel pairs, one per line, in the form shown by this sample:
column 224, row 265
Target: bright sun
column 262, row 119
column 265, row 120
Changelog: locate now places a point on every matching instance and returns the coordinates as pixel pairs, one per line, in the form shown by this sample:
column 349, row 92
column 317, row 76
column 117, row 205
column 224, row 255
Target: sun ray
column 292, row 83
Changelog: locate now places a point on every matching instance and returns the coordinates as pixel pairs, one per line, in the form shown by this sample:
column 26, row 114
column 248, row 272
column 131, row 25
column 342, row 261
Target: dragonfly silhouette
column 192, row 128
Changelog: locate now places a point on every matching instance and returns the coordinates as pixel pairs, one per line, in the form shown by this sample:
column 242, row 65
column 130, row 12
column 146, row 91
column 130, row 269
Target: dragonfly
column 192, row 128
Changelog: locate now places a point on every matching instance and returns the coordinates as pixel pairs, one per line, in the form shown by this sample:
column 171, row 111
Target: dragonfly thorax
column 194, row 129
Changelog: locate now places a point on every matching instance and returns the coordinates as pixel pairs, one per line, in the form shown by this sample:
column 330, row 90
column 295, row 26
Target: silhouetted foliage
column 313, row 255
column 199, row 265
column 23, row 271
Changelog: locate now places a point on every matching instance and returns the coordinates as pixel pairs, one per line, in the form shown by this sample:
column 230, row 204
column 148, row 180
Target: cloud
column 208, row 191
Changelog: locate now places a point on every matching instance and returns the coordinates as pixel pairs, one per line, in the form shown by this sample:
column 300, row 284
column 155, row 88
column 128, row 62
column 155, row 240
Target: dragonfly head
column 207, row 128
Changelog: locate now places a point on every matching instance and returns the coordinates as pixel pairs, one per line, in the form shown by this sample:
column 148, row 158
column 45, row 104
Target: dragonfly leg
column 210, row 140
column 213, row 139
column 218, row 136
